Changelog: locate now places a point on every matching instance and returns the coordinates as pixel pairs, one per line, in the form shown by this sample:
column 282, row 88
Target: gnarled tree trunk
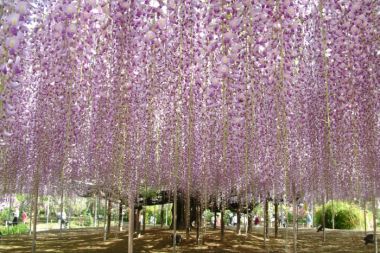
column 180, row 214
column 181, row 209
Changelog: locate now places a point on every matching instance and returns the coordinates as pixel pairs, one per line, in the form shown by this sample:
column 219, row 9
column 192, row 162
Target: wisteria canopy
column 258, row 97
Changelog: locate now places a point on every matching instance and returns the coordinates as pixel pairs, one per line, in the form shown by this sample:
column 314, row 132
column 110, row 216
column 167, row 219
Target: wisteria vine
column 256, row 97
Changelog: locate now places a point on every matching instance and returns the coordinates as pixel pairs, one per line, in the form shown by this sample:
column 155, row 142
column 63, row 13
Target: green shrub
column 18, row 229
column 290, row 217
column 156, row 212
column 88, row 220
column 226, row 216
column 83, row 220
column 5, row 214
column 347, row 215
column 208, row 214
column 301, row 219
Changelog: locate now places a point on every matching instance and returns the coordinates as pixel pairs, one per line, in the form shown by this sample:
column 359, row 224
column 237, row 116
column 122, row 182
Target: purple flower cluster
column 278, row 97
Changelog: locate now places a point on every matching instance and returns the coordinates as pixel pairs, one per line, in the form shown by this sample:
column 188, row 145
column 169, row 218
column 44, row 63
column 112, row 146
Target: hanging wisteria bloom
column 208, row 99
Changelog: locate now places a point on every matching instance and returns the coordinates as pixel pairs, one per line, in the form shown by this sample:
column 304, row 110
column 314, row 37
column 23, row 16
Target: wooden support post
column 109, row 209
column 35, row 219
column 266, row 218
column 61, row 211
column 120, row 216
column 162, row 215
column 198, row 217
column 131, row 224
column 105, row 220
column 222, row 223
column 238, row 220
column 365, row 217
column 215, row 217
column 332, row 213
column 374, row 210
column 143, row 220
column 175, row 220
column 96, row 212
column 48, row 211
column 275, row 219
column 294, row 223
column 264, row 225
column 324, row 218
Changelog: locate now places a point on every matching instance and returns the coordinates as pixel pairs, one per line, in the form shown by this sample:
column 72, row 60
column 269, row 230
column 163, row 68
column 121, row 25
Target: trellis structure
column 256, row 97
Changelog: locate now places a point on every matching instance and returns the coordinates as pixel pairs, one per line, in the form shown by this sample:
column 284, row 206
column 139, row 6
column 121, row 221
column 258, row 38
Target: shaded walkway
column 157, row 240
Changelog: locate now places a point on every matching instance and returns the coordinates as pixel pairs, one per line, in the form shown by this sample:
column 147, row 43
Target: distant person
column 257, row 221
column 16, row 214
column 141, row 218
column 231, row 218
column 15, row 218
column 308, row 220
column 24, row 217
column 152, row 220
column 63, row 218
column 218, row 221
column 234, row 220
column 283, row 220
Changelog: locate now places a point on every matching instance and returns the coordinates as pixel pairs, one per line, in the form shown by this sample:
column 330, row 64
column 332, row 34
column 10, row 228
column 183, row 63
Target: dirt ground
column 158, row 240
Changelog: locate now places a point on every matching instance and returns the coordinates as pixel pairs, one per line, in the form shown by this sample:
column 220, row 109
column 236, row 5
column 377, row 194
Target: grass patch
column 12, row 230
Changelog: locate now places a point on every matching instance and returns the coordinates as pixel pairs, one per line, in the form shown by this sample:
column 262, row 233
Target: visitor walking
column 63, row 219
column 308, row 220
column 257, row 221
column 15, row 217
column 24, row 217
column 283, row 221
